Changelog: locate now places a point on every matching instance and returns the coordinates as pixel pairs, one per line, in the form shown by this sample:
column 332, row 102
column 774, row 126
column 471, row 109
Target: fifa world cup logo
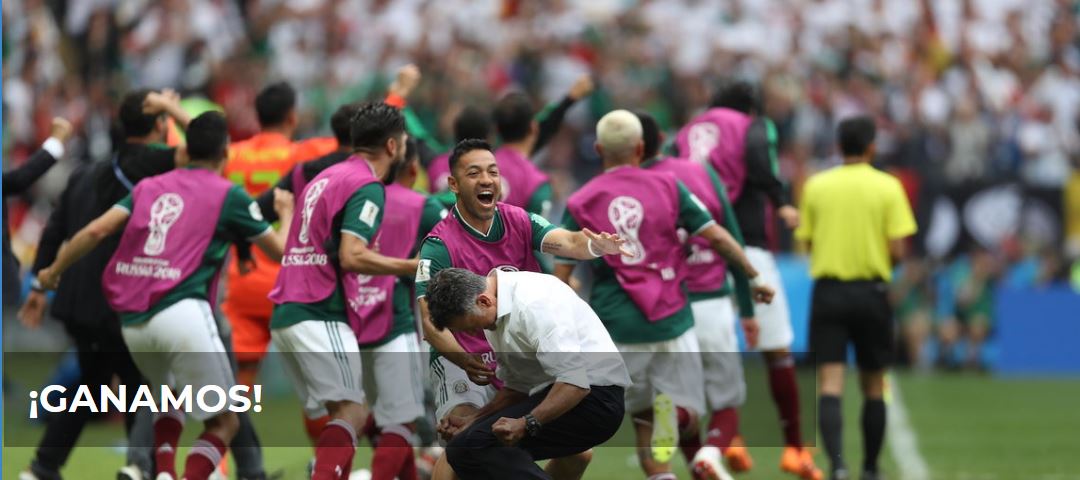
column 703, row 138
column 311, row 197
column 627, row 215
column 164, row 212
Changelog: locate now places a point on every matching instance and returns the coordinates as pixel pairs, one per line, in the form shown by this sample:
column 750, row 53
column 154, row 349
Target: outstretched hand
column 606, row 243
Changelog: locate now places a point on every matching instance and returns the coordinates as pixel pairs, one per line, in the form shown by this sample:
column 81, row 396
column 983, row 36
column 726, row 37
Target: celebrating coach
column 563, row 376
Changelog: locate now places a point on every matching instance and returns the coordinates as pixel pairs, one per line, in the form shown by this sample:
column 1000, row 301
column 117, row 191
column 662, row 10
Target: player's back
column 258, row 162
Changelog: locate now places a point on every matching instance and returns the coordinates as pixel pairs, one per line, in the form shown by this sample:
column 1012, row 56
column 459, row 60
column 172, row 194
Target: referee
column 854, row 219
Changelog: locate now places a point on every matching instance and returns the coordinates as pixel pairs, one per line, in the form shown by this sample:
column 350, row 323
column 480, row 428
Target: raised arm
column 551, row 118
column 19, row 179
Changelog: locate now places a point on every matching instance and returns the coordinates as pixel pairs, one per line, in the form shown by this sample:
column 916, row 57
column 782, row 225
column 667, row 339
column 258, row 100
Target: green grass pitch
column 967, row 428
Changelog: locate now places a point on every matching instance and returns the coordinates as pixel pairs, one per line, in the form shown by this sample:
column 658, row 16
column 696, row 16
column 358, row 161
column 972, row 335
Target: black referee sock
column 873, row 430
column 832, row 429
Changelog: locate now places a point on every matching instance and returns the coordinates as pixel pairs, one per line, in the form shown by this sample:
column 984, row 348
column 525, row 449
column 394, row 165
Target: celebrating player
column 714, row 317
column 640, row 296
column 482, row 234
column 381, row 314
column 741, row 147
column 168, row 323
column 340, row 211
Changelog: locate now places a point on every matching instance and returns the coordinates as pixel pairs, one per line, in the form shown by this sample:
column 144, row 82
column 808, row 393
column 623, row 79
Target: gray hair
column 452, row 293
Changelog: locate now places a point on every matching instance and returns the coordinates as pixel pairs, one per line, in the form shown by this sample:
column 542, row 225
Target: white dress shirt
column 544, row 333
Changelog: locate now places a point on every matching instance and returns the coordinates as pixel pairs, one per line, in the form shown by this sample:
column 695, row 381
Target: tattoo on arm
column 551, row 246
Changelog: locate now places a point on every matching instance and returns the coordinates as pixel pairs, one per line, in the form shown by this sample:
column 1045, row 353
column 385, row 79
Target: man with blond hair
column 641, row 296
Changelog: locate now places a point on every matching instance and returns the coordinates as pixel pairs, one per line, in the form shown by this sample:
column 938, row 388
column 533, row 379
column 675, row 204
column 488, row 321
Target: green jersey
column 239, row 216
column 353, row 222
column 434, row 256
column 624, row 320
column 404, row 318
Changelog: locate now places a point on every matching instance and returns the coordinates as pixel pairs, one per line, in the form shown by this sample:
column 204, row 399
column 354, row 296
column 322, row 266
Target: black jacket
column 90, row 192
column 79, row 299
column 16, row 182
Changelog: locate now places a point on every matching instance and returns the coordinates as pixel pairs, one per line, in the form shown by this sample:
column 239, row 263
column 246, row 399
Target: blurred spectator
column 966, row 307
column 912, row 302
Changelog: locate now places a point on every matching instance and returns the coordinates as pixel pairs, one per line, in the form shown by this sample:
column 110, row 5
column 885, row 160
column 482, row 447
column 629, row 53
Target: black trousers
column 477, row 454
column 102, row 353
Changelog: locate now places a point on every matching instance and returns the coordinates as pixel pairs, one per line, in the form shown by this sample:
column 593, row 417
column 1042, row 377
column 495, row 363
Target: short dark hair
column 471, row 122
column 274, row 103
column 132, row 119
column 855, row 135
column 465, row 146
column 737, row 95
column 208, row 137
column 451, row 294
column 650, row 133
column 373, row 124
column 341, row 123
column 513, row 116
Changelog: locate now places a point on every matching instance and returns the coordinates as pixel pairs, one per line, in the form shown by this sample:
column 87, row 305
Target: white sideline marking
column 902, row 441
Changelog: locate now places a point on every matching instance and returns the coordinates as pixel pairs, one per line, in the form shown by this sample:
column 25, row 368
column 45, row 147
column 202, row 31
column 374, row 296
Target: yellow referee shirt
column 848, row 214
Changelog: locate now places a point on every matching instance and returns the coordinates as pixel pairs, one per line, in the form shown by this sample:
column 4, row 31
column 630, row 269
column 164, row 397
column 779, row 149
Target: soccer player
column 482, row 234
column 740, row 145
column 340, row 213
column 524, row 185
column 641, row 296
column 710, row 301
column 854, row 218
column 380, row 310
column 161, row 282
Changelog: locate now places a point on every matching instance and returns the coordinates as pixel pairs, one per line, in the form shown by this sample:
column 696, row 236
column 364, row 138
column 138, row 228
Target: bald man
column 641, row 298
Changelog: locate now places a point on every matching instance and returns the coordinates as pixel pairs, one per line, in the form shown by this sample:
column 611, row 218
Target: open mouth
column 486, row 198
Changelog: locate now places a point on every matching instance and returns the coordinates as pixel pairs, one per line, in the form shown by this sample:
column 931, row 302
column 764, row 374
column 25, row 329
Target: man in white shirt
column 563, row 377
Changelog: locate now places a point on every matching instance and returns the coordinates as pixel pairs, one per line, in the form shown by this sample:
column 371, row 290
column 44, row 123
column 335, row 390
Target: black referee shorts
column 852, row 311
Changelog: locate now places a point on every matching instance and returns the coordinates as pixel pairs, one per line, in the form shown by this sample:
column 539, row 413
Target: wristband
column 591, row 252
column 35, row 285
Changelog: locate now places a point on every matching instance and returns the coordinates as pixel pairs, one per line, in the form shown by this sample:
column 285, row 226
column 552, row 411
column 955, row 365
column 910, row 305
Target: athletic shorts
column 452, row 387
column 392, row 380
column 180, row 346
column 671, row 366
column 858, row 313
column 322, row 359
column 714, row 325
column 774, row 319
